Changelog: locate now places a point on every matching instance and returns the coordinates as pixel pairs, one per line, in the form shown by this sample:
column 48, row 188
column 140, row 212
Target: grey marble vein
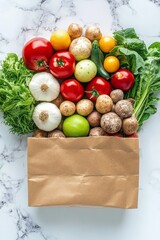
column 43, row 14
column 69, row 6
column 3, row 39
column 10, row 154
column 114, row 5
column 25, row 7
column 25, row 225
column 42, row 1
column 8, row 188
column 154, row 179
column 157, row 2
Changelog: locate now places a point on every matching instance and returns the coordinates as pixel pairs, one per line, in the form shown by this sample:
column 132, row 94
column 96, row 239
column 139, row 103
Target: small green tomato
column 76, row 126
column 85, row 70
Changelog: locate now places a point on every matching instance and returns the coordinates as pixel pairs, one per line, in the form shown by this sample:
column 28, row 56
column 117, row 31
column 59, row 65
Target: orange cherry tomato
column 60, row 40
column 111, row 64
column 107, row 43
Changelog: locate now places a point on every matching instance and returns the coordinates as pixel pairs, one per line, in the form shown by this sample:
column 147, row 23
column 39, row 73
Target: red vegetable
column 134, row 135
column 72, row 90
column 117, row 135
column 97, row 86
column 36, row 54
column 123, row 79
column 62, row 64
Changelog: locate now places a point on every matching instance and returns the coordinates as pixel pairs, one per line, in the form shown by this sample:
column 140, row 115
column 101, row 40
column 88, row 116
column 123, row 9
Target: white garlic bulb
column 46, row 116
column 44, row 87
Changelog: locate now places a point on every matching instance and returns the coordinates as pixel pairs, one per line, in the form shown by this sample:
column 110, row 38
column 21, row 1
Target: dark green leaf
column 129, row 59
column 148, row 87
column 128, row 38
column 121, row 35
column 154, row 49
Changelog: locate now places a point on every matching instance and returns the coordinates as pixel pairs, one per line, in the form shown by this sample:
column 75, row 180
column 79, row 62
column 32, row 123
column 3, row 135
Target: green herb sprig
column 16, row 101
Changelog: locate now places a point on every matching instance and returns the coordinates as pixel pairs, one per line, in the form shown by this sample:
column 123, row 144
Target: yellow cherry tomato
column 60, row 40
column 107, row 43
column 111, row 64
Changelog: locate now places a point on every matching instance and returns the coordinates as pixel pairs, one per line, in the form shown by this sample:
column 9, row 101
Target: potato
column 84, row 107
column 58, row 100
column 124, row 109
column 94, row 119
column 97, row 131
column 113, row 108
column 130, row 125
column 117, row 95
column 80, row 48
column 60, row 125
column 67, row 108
column 111, row 122
column 74, row 30
column 93, row 33
column 56, row 133
column 104, row 104
column 40, row 134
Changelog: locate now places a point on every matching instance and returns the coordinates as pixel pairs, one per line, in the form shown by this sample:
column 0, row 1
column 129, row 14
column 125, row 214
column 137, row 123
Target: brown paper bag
column 88, row 171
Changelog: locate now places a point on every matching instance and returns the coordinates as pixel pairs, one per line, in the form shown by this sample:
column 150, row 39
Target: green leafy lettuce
column 130, row 50
column 16, row 101
column 147, row 85
column 130, row 40
column 129, row 59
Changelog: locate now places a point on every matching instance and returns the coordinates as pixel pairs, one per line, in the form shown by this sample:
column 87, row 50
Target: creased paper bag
column 88, row 171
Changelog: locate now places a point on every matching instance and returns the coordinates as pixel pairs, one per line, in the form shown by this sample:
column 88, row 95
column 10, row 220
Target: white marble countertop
column 21, row 20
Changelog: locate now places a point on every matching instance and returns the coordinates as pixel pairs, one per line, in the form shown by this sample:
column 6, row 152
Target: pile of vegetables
column 81, row 84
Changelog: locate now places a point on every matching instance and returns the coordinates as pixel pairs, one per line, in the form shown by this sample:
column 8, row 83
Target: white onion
column 44, row 87
column 46, row 116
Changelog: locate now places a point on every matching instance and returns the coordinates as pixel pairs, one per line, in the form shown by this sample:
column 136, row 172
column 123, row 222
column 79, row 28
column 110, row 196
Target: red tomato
column 96, row 87
column 123, row 79
column 62, row 64
column 134, row 135
column 36, row 54
column 72, row 90
column 117, row 135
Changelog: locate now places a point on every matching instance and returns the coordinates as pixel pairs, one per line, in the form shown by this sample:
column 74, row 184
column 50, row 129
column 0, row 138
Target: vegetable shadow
column 88, row 216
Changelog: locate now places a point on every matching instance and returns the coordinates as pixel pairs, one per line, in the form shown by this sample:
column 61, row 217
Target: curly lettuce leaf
column 16, row 101
column 15, row 70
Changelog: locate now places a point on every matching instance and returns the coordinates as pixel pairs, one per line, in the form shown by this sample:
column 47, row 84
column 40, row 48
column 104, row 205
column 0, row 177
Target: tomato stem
column 41, row 63
column 94, row 93
column 60, row 62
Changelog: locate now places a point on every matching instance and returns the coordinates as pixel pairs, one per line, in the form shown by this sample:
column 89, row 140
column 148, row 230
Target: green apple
column 85, row 70
column 76, row 126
